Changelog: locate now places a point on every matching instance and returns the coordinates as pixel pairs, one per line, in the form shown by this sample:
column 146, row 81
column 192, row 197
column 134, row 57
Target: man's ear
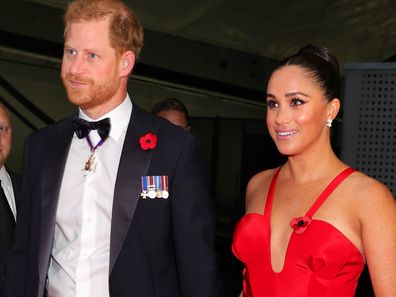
column 127, row 63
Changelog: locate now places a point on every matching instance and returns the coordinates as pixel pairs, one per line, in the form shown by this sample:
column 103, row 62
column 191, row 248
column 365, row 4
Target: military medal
column 151, row 187
column 158, row 191
column 164, row 180
column 151, row 193
column 154, row 186
column 144, row 193
column 90, row 163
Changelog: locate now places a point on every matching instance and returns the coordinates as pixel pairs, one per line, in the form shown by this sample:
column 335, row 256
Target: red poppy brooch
column 148, row 141
column 300, row 224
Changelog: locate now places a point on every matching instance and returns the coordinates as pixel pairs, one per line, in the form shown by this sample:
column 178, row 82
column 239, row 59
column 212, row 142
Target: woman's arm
column 378, row 222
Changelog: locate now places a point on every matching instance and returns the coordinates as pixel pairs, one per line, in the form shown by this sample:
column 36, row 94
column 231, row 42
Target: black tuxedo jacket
column 15, row 185
column 158, row 247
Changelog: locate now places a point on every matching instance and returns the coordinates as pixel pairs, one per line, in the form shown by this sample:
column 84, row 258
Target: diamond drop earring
column 329, row 122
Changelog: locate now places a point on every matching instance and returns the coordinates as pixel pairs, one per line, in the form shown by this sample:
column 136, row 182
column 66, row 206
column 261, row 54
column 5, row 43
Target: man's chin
column 85, row 102
column 77, row 98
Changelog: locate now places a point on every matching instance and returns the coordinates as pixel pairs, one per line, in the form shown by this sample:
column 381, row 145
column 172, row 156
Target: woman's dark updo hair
column 322, row 64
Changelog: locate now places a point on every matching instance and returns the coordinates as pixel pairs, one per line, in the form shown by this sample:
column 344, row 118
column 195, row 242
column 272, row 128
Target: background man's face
column 176, row 117
column 5, row 136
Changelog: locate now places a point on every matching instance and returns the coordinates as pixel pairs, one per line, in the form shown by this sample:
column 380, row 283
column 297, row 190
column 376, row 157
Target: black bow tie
column 83, row 127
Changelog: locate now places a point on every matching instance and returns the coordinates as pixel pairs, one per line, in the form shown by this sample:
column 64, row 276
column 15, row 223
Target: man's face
column 176, row 117
column 5, row 136
column 90, row 66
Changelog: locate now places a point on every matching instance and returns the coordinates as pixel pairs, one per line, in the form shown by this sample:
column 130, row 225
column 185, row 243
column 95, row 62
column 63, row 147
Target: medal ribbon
column 144, row 183
column 151, row 181
column 91, row 146
column 164, row 179
column 158, row 183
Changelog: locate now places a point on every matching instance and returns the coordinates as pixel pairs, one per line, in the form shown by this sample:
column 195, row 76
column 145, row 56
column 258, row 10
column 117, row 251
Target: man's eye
column 70, row 51
column 3, row 129
column 93, row 55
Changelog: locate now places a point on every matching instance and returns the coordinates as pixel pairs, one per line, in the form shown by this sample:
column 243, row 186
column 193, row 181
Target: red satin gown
column 320, row 261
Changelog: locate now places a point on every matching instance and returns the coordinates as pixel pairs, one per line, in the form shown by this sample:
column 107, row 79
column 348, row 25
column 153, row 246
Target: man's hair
column 126, row 33
column 171, row 104
column 6, row 111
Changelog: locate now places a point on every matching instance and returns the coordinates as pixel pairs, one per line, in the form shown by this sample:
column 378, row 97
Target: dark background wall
column 222, row 83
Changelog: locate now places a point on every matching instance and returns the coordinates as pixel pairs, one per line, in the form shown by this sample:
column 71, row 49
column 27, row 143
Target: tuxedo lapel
column 52, row 174
column 134, row 163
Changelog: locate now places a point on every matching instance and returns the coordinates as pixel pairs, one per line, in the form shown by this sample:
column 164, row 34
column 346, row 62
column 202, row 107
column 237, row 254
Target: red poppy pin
column 148, row 141
column 300, row 224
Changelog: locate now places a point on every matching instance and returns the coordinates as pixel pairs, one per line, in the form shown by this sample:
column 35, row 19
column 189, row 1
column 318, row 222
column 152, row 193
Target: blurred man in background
column 174, row 111
column 8, row 188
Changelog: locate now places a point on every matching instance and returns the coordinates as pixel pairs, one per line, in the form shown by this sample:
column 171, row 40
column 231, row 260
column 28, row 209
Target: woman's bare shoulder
column 376, row 210
column 259, row 183
column 368, row 191
column 263, row 177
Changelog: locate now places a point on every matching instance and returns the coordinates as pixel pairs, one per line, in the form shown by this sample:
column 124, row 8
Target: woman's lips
column 286, row 133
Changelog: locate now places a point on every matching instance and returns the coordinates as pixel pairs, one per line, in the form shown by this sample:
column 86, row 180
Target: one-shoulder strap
column 329, row 189
column 270, row 195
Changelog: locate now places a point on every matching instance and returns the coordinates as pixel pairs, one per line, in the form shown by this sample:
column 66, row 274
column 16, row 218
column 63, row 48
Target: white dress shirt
column 8, row 189
column 81, row 252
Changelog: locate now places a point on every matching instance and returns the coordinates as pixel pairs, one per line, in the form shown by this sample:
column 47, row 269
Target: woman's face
column 297, row 111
